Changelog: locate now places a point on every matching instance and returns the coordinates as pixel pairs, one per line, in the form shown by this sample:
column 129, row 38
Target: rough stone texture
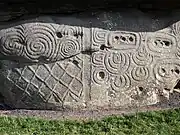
column 89, row 61
column 11, row 10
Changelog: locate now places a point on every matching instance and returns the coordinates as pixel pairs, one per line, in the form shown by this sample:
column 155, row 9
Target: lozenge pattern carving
column 56, row 82
column 67, row 65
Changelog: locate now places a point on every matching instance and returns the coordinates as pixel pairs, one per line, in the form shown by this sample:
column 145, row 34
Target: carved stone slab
column 56, row 65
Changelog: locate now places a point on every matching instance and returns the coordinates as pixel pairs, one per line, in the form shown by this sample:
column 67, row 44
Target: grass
column 150, row 123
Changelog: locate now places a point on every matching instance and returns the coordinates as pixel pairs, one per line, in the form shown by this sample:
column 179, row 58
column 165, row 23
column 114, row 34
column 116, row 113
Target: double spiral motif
column 39, row 41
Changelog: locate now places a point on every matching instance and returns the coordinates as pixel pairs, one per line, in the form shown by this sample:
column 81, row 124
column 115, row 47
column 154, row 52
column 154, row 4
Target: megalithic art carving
column 54, row 65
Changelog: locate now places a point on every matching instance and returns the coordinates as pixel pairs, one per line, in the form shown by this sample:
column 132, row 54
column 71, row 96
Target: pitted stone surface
column 55, row 65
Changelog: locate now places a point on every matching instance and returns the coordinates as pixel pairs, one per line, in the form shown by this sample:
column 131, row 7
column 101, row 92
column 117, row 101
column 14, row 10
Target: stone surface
column 104, row 60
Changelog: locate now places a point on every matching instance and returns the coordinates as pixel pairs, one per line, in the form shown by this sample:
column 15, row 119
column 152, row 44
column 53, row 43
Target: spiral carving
column 12, row 41
column 140, row 73
column 40, row 42
column 69, row 47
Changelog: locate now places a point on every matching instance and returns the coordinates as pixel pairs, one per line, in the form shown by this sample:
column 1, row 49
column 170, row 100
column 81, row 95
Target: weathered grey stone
column 106, row 60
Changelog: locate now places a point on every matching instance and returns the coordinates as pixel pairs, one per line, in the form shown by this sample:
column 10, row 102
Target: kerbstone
column 96, row 62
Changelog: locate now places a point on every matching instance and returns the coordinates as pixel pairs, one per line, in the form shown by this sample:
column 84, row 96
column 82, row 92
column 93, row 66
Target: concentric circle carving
column 100, row 76
column 69, row 47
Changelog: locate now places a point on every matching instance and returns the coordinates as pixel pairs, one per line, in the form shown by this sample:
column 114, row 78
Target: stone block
column 106, row 60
